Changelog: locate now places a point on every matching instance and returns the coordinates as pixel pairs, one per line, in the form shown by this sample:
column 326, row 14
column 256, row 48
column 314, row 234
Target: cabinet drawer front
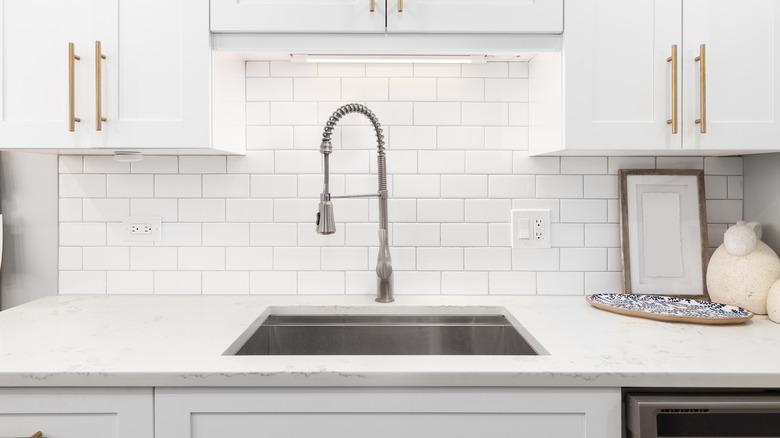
column 60, row 425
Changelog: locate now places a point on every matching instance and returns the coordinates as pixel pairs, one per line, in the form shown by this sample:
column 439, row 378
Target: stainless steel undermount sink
column 384, row 335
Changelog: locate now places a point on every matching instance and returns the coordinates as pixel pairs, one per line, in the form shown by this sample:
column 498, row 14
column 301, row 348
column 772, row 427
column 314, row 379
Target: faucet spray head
column 326, row 224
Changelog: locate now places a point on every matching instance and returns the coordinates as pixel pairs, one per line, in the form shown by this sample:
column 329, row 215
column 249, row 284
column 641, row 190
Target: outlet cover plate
column 538, row 233
column 142, row 229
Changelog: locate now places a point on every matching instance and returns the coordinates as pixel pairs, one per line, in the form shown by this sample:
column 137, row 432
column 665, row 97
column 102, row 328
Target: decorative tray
column 670, row 308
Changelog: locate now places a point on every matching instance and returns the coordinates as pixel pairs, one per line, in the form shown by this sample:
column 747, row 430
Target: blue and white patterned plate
column 670, row 308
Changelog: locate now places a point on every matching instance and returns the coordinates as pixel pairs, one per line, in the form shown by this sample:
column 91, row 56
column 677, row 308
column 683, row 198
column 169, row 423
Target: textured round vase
column 743, row 281
column 773, row 302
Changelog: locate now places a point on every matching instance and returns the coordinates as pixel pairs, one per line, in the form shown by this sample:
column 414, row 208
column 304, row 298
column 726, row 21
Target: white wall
column 29, row 206
column 762, row 203
column 457, row 162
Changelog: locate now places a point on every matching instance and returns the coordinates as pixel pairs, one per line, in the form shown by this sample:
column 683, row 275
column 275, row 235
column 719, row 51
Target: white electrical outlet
column 142, row 229
column 530, row 228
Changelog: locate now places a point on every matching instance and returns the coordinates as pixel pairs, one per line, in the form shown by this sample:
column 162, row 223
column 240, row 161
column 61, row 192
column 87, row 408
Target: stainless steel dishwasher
column 702, row 415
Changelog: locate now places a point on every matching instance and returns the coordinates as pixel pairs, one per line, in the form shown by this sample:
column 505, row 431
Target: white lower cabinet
column 77, row 413
column 387, row 412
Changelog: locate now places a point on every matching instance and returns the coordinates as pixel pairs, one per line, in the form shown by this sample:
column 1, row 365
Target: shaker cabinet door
column 740, row 101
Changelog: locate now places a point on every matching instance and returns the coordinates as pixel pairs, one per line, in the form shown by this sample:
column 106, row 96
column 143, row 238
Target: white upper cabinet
column 475, row 16
column 401, row 16
column 617, row 88
column 741, row 99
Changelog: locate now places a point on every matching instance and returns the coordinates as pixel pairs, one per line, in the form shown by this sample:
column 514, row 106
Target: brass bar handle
column 673, row 60
column 372, row 6
column 37, row 435
column 702, row 60
column 99, row 57
column 72, row 58
column 400, row 5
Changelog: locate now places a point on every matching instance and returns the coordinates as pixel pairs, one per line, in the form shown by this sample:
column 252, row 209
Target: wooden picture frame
column 663, row 232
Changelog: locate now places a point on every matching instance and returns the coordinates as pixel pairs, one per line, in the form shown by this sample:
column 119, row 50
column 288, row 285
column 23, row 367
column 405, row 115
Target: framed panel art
column 663, row 224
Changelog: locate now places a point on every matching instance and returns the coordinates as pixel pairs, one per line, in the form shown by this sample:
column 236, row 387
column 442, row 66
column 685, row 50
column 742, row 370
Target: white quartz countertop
column 180, row 341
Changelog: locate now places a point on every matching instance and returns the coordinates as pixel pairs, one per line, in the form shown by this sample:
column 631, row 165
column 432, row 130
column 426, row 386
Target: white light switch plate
column 142, row 229
column 531, row 229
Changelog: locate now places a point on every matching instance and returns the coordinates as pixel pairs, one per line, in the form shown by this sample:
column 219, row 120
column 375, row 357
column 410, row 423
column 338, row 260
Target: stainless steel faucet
column 325, row 221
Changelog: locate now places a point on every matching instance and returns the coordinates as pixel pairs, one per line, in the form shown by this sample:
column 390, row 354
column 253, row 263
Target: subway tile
column 490, row 162
column 601, row 186
column 412, row 137
column 440, row 210
column 512, row 283
column 724, row 211
column 82, row 234
column 413, row 89
column 404, row 259
column 293, row 113
column 518, row 69
column 269, row 138
column 364, row 89
column 518, row 114
column 441, row 162
column 167, row 209
column 397, row 162
column 416, row 186
column 70, row 258
column 156, row 164
column 464, row 186
column 201, row 210
column 437, row 70
column 440, row 259
column 615, row 164
column 613, row 211
column 614, row 259
column 273, row 234
column 534, row 204
column 393, row 113
column 488, row 259
column 258, row 69
column 70, row 210
column 130, row 282
column 461, row 137
column 398, row 210
column 513, row 138
column 177, row 283
column 716, row 187
column 417, row 283
column 202, row 164
column 252, row 162
column 225, row 234
column 436, row 113
column 115, row 236
column 352, row 210
column 130, row 186
column 82, row 282
column 201, row 259
column 523, row 164
column 567, row 235
column 153, row 259
column 414, row 235
column 583, row 259
column 603, row 235
column 584, row 210
column 344, row 258
column 500, row 234
column 296, row 259
column 295, row 210
column 104, row 164
column 485, row 114
column 180, row 234
column 487, row 210
column 342, row 70
column 715, row 234
column 352, row 161
column 106, row 210
column 559, row 186
column 464, row 283
column 315, row 283
column 361, row 282
column 463, row 234
column 389, row 70
column 177, row 186
column 269, row 89
column 249, row 210
column 82, row 186
column 105, row 258
column 273, row 283
column 679, row 163
column 316, row 89
column 292, row 69
column 603, row 282
column 547, row 259
column 274, row 186
column 560, row 283
column 70, row 164
column 512, row 186
column 460, row 90
column 258, row 113
column 353, row 137
column 225, row 283
column 506, row 90
column 584, row 165
column 225, row 186
column 296, row 162
column 486, row 70
column 721, row 165
column 735, row 187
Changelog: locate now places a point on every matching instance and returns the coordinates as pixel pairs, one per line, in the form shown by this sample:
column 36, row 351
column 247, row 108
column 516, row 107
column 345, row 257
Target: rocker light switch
column 523, row 228
column 530, row 228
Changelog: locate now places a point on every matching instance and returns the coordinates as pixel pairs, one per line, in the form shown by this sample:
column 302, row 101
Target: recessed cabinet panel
column 618, row 86
column 490, row 16
column 297, row 16
column 741, row 96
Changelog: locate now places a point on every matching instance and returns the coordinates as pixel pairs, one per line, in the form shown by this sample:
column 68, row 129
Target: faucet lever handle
column 384, row 264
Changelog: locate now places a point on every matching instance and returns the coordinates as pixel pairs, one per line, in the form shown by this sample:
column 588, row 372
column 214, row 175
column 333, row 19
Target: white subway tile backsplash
column 457, row 161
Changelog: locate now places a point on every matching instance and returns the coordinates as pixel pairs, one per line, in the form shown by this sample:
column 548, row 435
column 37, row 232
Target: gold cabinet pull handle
column 72, row 58
column 372, row 6
column 673, row 60
column 400, row 5
column 99, row 57
column 37, row 435
column 702, row 60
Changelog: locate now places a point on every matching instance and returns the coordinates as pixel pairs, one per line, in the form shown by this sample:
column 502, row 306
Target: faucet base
column 384, row 290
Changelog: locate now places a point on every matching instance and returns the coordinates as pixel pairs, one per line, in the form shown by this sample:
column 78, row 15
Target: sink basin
column 385, row 335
